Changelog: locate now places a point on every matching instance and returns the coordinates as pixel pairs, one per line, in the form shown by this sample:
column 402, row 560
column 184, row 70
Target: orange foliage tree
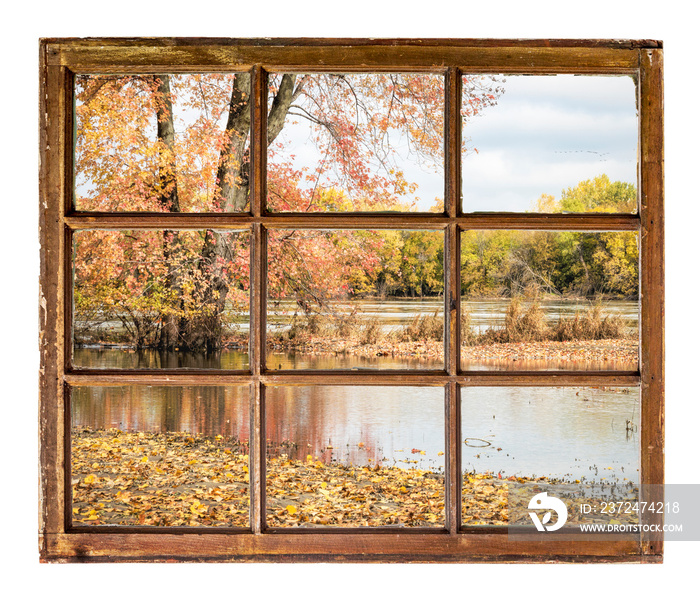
column 181, row 143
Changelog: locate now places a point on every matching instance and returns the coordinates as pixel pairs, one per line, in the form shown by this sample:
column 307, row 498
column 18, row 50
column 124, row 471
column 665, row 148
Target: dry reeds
column 524, row 322
column 593, row 324
column 525, row 325
column 423, row 327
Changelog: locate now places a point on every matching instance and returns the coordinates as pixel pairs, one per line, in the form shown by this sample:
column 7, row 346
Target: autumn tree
column 584, row 264
column 595, row 263
column 181, row 143
column 483, row 261
column 592, row 195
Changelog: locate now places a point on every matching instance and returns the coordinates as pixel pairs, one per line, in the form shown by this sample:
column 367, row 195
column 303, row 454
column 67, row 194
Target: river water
column 587, row 434
column 571, row 433
column 391, row 313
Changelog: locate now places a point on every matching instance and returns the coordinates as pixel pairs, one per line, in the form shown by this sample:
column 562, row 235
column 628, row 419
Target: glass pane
column 355, row 142
column 355, row 299
column 546, row 438
column 161, row 299
column 160, row 456
column 534, row 300
column 558, row 143
column 355, row 456
column 162, row 143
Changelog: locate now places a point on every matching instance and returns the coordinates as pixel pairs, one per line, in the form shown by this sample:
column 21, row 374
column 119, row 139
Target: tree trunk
column 204, row 332
column 169, row 337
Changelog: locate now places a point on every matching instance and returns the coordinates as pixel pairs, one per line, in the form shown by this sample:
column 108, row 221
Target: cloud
column 548, row 133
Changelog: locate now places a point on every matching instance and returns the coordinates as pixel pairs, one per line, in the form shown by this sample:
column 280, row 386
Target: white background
column 673, row 21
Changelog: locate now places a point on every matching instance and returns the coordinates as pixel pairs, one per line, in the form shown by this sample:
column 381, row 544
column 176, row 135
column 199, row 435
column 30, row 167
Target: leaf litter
column 178, row 479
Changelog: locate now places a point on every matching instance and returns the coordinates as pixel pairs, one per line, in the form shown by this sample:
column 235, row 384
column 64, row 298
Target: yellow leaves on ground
column 301, row 494
column 484, row 500
column 491, row 501
column 158, row 479
column 539, row 354
column 170, row 479
column 174, row 479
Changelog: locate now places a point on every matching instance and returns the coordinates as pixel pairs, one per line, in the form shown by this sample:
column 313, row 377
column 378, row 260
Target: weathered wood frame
column 61, row 59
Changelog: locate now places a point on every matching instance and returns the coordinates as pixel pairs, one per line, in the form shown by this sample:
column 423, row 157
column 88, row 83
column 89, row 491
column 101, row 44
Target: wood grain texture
column 329, row 547
column 52, row 177
column 257, row 462
column 453, row 187
column 651, row 166
column 453, row 469
column 395, row 220
column 353, row 41
column 102, row 378
column 179, row 55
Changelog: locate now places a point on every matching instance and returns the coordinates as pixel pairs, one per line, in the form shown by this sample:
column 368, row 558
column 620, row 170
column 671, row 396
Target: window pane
column 561, row 143
column 355, row 142
column 558, row 438
column 355, row 299
column 160, row 456
column 162, row 143
column 161, row 299
column 534, row 300
column 355, row 456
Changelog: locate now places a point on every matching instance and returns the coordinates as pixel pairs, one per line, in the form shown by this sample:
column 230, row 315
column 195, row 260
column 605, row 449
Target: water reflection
column 309, row 361
column 355, row 456
column 196, row 410
column 587, row 434
column 571, row 433
column 392, row 426
column 126, row 357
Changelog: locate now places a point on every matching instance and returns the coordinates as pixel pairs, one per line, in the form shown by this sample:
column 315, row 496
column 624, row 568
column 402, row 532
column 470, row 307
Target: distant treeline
column 509, row 263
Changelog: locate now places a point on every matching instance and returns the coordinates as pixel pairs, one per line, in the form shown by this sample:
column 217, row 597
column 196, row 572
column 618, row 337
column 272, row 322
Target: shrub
column 422, row 327
column 589, row 326
column 371, row 332
column 521, row 325
column 529, row 324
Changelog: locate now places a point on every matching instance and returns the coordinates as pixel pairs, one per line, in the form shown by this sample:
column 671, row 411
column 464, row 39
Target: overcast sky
column 548, row 133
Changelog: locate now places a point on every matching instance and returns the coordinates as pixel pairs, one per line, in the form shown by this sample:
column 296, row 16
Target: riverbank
column 619, row 352
column 177, row 479
column 603, row 351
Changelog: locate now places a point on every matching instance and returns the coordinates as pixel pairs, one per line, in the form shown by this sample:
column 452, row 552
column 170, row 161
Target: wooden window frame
column 62, row 59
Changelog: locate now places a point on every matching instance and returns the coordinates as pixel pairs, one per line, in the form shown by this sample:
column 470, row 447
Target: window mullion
column 258, row 293
column 453, row 143
column 452, row 463
column 452, row 190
